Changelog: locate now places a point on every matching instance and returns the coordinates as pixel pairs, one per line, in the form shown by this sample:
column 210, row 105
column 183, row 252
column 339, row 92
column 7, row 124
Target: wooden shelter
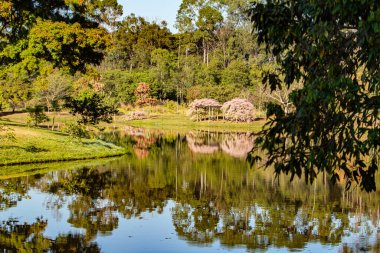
column 203, row 106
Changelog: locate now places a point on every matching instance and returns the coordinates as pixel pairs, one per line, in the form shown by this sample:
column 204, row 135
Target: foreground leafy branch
column 332, row 47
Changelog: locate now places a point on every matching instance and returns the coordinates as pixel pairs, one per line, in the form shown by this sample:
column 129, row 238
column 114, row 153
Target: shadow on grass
column 10, row 113
column 34, row 149
column 29, row 149
column 48, row 128
column 7, row 122
column 106, row 145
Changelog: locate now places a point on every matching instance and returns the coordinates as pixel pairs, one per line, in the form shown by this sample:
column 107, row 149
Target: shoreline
column 41, row 146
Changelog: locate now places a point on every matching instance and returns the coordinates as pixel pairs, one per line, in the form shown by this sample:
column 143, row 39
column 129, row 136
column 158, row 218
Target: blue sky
column 153, row 10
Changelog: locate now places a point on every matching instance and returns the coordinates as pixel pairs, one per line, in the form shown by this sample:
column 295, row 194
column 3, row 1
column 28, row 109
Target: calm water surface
column 174, row 192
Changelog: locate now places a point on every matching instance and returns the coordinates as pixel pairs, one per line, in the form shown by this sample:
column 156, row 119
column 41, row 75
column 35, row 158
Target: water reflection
column 199, row 142
column 16, row 237
column 209, row 198
column 234, row 144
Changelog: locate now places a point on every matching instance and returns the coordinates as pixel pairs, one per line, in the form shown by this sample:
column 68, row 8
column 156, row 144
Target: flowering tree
column 238, row 110
column 142, row 93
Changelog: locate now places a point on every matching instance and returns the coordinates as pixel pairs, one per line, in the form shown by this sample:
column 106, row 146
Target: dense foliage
column 91, row 108
column 50, row 48
column 332, row 47
column 65, row 34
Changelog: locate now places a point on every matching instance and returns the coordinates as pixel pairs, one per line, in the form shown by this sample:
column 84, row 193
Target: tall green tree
column 135, row 40
column 209, row 20
column 163, row 69
column 65, row 33
column 237, row 74
column 53, row 88
column 36, row 34
column 202, row 18
column 333, row 48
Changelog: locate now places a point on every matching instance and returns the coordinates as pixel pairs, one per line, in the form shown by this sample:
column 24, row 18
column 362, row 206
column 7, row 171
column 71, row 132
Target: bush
column 36, row 115
column 91, row 107
column 171, row 105
column 136, row 115
column 194, row 92
column 6, row 134
column 76, row 131
column 238, row 110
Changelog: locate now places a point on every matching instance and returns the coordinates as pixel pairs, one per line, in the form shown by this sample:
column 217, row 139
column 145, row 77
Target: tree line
column 51, row 50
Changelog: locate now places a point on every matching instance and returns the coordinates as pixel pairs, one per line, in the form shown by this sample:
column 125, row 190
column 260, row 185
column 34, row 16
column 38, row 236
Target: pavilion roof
column 205, row 103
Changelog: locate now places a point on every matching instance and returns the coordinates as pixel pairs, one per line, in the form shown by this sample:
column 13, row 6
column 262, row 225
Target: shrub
column 171, row 105
column 91, row 107
column 238, row 110
column 77, row 131
column 194, row 92
column 136, row 115
column 6, row 134
column 36, row 115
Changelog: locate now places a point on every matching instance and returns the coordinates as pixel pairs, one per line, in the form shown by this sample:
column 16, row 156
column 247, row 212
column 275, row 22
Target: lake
column 181, row 192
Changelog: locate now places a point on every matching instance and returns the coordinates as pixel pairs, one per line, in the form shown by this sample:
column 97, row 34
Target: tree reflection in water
column 234, row 144
column 15, row 237
column 217, row 197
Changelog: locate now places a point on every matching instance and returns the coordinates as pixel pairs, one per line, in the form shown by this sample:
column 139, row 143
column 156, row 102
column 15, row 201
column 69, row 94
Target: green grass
column 181, row 122
column 59, row 119
column 35, row 145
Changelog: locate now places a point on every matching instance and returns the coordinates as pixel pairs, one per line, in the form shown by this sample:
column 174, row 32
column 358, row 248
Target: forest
column 213, row 55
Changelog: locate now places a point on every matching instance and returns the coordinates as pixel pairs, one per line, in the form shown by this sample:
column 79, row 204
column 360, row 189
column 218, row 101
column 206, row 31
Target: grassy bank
column 13, row 171
column 35, row 145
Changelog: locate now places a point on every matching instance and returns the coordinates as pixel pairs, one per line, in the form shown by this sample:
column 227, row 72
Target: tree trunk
column 52, row 126
column 224, row 56
column 204, row 50
column 179, row 54
column 207, row 60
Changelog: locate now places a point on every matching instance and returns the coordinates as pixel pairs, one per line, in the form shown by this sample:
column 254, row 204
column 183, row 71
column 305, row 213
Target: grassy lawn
column 35, row 145
column 181, row 122
column 59, row 119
